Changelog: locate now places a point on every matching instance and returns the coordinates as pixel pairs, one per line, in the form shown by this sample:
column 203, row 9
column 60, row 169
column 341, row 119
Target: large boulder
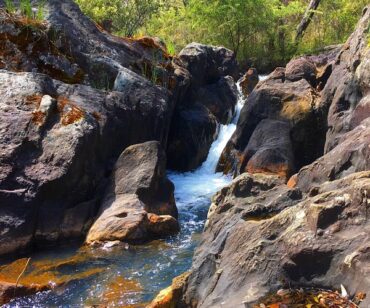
column 192, row 134
column 220, row 98
column 261, row 237
column 301, row 68
column 139, row 203
column 58, row 143
column 269, row 150
column 207, row 64
column 292, row 108
column 210, row 98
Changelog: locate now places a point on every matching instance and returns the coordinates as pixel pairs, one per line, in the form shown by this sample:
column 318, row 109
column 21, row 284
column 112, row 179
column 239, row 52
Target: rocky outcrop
column 207, row 64
column 346, row 94
column 280, row 130
column 171, row 296
column 139, row 203
column 52, row 172
column 249, row 81
column 74, row 97
column 191, row 136
column 262, row 235
column 210, row 99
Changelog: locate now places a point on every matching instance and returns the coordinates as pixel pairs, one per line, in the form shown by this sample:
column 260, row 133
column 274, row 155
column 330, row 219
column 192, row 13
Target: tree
column 312, row 7
column 124, row 16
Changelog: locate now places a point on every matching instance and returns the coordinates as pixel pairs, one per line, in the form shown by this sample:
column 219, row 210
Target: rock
column 54, row 159
column 171, row 296
column 209, row 99
column 269, row 150
column 8, row 291
column 139, row 203
column 351, row 155
column 301, row 68
column 207, row 64
column 291, row 106
column 162, row 225
column 249, row 81
column 346, row 92
column 220, row 98
column 260, row 223
column 192, row 134
column 71, row 106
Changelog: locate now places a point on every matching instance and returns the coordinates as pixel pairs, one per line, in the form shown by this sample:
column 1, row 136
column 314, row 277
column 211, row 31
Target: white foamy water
column 193, row 188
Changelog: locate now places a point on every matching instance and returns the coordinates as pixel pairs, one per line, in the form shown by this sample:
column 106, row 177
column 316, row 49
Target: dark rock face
column 73, row 99
column 346, row 92
column 301, row 68
column 207, row 64
column 262, row 235
column 219, row 98
column 210, row 99
column 191, row 136
column 291, row 106
column 52, row 170
column 269, row 149
column 139, row 203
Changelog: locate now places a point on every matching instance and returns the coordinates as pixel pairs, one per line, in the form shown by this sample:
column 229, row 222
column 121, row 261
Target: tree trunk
column 314, row 4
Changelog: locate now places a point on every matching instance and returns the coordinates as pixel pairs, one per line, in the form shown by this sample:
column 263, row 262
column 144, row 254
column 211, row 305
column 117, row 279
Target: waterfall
column 199, row 185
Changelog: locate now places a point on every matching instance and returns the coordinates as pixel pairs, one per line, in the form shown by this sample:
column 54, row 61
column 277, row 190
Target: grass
column 10, row 7
column 26, row 9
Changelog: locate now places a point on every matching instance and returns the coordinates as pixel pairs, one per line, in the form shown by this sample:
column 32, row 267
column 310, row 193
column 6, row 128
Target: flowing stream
column 131, row 276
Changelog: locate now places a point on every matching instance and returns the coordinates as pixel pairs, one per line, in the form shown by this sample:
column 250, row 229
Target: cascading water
column 135, row 274
column 198, row 186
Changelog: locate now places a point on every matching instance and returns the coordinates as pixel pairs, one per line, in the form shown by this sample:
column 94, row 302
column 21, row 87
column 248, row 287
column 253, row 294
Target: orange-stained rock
column 117, row 293
column 281, row 170
column 249, row 81
column 40, row 275
column 162, row 224
column 171, row 296
column 8, row 291
column 292, row 183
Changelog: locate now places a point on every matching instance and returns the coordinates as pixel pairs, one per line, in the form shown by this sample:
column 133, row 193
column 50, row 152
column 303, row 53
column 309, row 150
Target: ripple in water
column 133, row 275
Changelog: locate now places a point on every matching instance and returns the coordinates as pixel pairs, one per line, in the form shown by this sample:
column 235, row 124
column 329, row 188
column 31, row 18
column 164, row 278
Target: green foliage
column 261, row 32
column 10, row 7
column 125, row 16
column 40, row 10
column 27, row 9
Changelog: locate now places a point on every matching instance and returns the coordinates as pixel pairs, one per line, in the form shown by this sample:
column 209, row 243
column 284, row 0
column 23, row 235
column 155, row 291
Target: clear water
column 130, row 276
